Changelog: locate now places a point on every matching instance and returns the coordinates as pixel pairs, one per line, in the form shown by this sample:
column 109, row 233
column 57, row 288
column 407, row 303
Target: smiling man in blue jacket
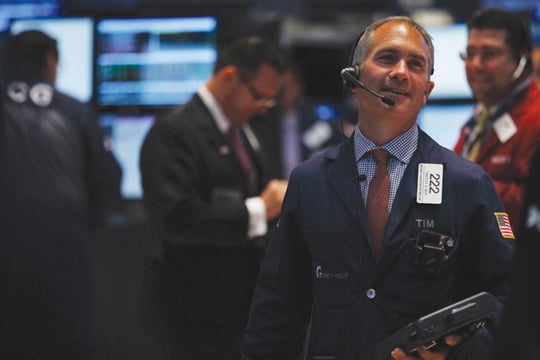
column 328, row 289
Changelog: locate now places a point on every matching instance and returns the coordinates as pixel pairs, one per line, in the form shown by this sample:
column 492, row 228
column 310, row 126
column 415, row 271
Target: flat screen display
column 449, row 76
column 22, row 9
column 127, row 133
column 153, row 61
column 511, row 5
column 443, row 122
column 74, row 38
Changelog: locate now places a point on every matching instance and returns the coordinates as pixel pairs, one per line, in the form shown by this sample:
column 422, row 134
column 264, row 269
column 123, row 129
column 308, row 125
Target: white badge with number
column 505, row 128
column 430, row 184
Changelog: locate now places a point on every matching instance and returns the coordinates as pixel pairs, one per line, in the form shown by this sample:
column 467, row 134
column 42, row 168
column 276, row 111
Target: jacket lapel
column 397, row 230
column 219, row 142
column 405, row 198
column 343, row 175
column 254, row 149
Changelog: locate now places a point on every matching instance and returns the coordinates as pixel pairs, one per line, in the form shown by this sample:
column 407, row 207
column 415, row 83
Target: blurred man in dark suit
column 209, row 200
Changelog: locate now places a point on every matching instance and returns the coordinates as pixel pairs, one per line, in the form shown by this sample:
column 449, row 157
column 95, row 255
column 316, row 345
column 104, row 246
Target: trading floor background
column 114, row 56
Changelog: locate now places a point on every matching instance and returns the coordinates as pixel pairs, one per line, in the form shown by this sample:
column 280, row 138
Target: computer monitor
column 443, row 121
column 153, row 62
column 26, row 9
column 511, row 5
column 449, row 76
column 74, row 36
column 127, row 133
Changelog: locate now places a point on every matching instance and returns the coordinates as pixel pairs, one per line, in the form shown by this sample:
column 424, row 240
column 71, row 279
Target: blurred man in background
column 300, row 126
column 505, row 128
column 61, row 182
column 209, row 201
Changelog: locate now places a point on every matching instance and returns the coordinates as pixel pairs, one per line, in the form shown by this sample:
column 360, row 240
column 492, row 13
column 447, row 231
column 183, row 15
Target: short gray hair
column 364, row 42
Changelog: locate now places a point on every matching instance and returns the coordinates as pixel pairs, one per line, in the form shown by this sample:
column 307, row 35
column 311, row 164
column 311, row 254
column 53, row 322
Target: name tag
column 504, row 127
column 430, row 184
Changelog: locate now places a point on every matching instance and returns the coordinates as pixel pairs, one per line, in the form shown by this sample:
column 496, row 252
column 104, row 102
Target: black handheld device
column 427, row 330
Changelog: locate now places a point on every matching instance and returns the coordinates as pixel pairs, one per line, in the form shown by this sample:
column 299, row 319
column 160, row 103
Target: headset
column 519, row 69
column 351, row 68
column 350, row 76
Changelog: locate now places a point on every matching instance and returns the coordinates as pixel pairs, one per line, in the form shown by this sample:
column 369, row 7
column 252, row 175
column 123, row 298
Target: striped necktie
column 239, row 149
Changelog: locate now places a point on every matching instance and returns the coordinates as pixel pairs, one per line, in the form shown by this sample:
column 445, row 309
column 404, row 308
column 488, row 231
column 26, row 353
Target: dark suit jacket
column 194, row 186
column 194, row 192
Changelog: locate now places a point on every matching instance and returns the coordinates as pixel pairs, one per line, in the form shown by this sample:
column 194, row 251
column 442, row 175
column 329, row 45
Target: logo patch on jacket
column 319, row 274
column 504, row 225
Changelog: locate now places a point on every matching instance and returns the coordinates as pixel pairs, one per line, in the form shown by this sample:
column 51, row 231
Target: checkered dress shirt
column 401, row 149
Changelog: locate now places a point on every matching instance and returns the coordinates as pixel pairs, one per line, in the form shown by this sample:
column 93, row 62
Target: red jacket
column 508, row 163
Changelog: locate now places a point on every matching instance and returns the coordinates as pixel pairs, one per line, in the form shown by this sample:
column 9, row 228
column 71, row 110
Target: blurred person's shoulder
column 73, row 107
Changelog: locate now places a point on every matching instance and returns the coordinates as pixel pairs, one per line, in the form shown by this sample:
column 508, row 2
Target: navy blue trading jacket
column 322, row 294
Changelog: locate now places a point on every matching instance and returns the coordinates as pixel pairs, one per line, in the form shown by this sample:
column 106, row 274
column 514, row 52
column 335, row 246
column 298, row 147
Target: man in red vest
column 504, row 130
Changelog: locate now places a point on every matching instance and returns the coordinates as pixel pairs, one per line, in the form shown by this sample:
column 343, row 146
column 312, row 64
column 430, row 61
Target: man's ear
column 228, row 73
column 429, row 89
column 225, row 82
column 51, row 67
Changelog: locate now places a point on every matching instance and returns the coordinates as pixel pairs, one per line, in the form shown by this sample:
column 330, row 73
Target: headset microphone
column 359, row 177
column 350, row 80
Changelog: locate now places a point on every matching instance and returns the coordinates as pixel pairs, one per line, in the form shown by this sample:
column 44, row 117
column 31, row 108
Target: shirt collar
column 401, row 147
column 211, row 103
column 481, row 108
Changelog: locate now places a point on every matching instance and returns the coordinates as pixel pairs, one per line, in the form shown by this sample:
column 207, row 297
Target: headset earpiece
column 520, row 67
column 351, row 65
column 350, row 76
column 354, row 71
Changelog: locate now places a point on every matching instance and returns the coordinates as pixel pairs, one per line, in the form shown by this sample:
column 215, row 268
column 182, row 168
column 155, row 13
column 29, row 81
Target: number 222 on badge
column 430, row 184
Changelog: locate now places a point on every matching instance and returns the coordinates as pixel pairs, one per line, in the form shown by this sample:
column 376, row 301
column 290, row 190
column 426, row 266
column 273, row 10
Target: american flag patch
column 504, row 225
